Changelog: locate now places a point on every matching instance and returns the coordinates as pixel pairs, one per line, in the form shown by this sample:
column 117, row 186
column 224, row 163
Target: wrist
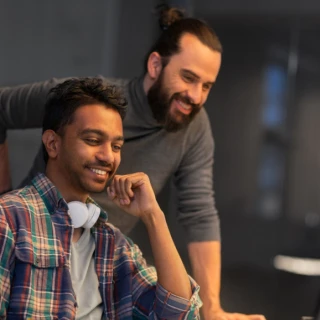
column 209, row 312
column 211, row 306
column 152, row 217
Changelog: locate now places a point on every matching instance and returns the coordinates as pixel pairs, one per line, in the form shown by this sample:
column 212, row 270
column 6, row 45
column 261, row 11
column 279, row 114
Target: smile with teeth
column 183, row 105
column 99, row 172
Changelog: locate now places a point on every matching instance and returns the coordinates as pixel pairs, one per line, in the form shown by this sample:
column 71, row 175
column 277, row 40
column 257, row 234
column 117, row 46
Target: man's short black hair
column 65, row 98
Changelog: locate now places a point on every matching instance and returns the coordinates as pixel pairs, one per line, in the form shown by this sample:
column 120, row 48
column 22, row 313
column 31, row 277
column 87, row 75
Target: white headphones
column 83, row 215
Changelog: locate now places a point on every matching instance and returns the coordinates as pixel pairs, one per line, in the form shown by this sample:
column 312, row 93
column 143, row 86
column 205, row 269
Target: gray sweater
column 187, row 155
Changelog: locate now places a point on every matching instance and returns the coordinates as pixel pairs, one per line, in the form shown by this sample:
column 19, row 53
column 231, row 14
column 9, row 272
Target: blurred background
column 264, row 112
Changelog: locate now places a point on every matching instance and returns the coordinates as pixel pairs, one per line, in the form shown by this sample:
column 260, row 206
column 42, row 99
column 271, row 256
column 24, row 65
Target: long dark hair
column 174, row 25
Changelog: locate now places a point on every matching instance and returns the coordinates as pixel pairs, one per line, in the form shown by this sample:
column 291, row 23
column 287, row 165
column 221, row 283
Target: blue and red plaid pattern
column 35, row 281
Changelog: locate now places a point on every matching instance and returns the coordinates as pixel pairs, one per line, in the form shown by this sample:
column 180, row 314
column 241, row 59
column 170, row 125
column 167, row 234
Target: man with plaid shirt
column 52, row 266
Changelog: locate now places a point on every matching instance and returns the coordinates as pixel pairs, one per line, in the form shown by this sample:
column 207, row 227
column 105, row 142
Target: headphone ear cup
column 93, row 215
column 79, row 213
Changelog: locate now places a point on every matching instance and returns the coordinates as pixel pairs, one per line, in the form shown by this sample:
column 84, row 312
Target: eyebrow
column 195, row 75
column 101, row 134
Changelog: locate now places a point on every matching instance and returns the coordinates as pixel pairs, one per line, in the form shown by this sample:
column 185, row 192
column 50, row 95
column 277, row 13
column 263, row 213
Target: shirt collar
column 49, row 193
column 53, row 198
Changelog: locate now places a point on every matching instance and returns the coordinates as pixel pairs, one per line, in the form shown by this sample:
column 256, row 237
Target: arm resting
column 206, row 266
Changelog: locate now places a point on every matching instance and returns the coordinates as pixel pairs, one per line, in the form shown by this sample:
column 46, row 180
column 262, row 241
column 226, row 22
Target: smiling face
column 88, row 152
column 182, row 87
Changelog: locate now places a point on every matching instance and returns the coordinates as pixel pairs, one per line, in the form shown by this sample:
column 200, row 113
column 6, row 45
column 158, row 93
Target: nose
column 105, row 154
column 196, row 94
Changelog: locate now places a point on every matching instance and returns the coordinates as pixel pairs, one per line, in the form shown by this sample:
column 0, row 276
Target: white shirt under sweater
column 84, row 278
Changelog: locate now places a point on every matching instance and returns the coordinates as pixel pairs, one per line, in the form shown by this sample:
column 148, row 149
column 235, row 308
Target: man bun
column 169, row 15
column 175, row 24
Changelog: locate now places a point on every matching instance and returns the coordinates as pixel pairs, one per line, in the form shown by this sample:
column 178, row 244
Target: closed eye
column 92, row 141
column 189, row 79
column 117, row 148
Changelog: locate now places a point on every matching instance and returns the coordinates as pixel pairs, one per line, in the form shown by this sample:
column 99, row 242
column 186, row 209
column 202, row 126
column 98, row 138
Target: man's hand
column 134, row 194
column 221, row 315
column 205, row 262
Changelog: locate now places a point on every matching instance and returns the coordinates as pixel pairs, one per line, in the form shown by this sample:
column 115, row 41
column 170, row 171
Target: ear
column 154, row 65
column 51, row 142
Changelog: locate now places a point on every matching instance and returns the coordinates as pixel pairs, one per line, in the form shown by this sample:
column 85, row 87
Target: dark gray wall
column 274, row 7
column 40, row 40
column 253, row 44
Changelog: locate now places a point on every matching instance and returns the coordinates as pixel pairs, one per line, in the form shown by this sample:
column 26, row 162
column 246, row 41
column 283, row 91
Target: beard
column 160, row 103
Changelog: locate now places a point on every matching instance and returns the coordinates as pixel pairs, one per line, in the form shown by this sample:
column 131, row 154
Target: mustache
column 186, row 100
column 103, row 164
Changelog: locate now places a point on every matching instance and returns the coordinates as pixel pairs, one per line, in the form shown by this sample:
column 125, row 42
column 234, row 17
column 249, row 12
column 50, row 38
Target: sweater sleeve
column 22, row 107
column 194, row 182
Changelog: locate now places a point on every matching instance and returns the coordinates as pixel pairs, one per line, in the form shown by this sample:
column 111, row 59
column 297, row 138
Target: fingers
column 122, row 187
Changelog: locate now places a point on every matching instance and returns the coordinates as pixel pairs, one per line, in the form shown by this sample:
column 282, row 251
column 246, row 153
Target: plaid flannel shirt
column 35, row 282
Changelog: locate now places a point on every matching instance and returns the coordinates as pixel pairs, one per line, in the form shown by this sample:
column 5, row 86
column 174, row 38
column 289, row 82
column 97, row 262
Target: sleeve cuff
column 171, row 306
column 208, row 232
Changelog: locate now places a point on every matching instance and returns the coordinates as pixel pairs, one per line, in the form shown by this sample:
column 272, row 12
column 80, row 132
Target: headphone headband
column 83, row 215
